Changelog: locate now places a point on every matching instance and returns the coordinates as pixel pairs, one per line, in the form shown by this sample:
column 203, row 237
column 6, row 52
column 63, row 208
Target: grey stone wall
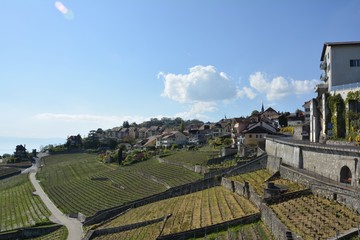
column 25, row 233
column 201, row 232
column 322, row 159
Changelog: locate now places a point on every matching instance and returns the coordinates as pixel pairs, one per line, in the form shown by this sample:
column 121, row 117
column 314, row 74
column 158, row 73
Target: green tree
column 126, row 124
column 182, row 126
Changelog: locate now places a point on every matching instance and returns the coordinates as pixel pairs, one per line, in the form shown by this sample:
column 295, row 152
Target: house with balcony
column 340, row 65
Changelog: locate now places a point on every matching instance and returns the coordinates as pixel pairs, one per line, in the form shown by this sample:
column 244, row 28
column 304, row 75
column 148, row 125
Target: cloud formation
column 88, row 118
column 197, row 110
column 67, row 13
column 279, row 87
column 201, row 84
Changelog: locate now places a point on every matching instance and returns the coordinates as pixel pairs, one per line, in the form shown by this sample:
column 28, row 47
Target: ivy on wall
column 352, row 119
column 336, row 106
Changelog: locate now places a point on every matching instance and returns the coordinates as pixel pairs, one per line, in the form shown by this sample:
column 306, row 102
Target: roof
column 326, row 44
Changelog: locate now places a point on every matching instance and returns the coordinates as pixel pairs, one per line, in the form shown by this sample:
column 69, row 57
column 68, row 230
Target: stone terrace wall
column 201, row 232
column 277, row 228
column 253, row 165
column 25, row 233
column 172, row 192
column 326, row 160
column 100, row 232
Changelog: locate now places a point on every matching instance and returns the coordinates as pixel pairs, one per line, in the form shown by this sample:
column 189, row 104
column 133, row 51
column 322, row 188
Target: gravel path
column 73, row 225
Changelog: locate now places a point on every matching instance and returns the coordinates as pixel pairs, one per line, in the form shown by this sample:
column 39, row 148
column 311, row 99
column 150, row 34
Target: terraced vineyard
column 8, row 171
column 257, row 179
column 190, row 158
column 314, row 217
column 80, row 183
column 199, row 209
column 19, row 207
column 254, row 231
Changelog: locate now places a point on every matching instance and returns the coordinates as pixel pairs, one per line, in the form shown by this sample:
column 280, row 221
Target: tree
column 254, row 112
column 182, row 126
column 126, row 124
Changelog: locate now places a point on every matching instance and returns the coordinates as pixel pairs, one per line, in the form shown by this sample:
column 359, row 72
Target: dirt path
column 73, row 225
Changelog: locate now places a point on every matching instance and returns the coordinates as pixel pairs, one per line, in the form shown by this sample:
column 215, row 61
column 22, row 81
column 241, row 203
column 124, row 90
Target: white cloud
column 197, row 110
column 201, row 84
column 117, row 120
column 279, row 87
column 246, row 92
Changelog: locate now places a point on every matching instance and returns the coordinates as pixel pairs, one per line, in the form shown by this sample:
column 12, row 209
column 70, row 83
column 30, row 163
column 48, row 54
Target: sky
column 67, row 67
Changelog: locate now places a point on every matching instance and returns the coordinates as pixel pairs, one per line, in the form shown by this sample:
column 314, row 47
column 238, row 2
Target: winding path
column 73, row 225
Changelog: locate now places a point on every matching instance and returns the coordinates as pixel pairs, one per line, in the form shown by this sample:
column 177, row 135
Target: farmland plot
column 315, row 217
column 199, row 209
column 19, row 207
column 80, row 183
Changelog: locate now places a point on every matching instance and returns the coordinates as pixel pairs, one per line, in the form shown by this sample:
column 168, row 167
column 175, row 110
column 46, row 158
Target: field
column 255, row 231
column 191, row 158
column 19, row 207
column 257, row 181
column 199, row 209
column 315, row 217
column 80, row 183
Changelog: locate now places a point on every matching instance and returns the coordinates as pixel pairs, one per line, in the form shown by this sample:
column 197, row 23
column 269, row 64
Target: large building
column 340, row 63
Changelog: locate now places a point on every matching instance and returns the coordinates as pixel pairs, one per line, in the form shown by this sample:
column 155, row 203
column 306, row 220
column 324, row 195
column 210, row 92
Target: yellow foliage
column 357, row 140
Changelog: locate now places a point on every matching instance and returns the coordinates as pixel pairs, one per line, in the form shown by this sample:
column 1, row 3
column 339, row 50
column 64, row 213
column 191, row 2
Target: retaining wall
column 201, row 232
column 326, row 160
column 29, row 232
column 242, row 167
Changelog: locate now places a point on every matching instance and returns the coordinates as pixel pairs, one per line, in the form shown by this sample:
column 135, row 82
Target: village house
column 169, row 138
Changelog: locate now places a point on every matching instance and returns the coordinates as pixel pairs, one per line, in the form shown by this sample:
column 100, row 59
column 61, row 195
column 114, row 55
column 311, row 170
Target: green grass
column 199, row 209
column 19, row 207
column 68, row 181
column 191, row 158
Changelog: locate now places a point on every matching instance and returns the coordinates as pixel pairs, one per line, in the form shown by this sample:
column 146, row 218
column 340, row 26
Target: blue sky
column 71, row 66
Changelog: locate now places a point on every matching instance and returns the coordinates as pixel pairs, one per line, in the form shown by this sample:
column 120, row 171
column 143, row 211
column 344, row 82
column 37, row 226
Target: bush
column 357, row 140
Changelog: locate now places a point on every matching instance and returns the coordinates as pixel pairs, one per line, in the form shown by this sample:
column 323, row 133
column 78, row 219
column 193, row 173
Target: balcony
column 324, row 77
column 323, row 65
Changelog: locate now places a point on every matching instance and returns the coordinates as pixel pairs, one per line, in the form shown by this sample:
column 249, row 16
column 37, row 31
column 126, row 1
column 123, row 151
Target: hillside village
column 270, row 175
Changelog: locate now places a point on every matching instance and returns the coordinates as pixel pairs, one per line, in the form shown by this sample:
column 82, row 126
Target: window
column 354, row 62
column 250, row 136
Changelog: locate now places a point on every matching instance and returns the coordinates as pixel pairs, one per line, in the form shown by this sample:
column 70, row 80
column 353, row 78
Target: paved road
column 73, row 225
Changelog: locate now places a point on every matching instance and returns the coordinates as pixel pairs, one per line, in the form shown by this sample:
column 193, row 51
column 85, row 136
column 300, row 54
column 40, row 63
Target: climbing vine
column 336, row 106
column 352, row 119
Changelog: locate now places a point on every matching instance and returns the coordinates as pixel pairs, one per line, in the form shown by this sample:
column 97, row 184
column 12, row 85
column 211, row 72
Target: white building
column 340, row 62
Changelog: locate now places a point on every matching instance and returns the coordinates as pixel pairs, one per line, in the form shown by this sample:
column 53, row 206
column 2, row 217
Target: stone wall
column 202, row 232
column 277, row 228
column 325, row 160
column 172, row 192
column 242, row 167
column 25, row 233
column 105, row 231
